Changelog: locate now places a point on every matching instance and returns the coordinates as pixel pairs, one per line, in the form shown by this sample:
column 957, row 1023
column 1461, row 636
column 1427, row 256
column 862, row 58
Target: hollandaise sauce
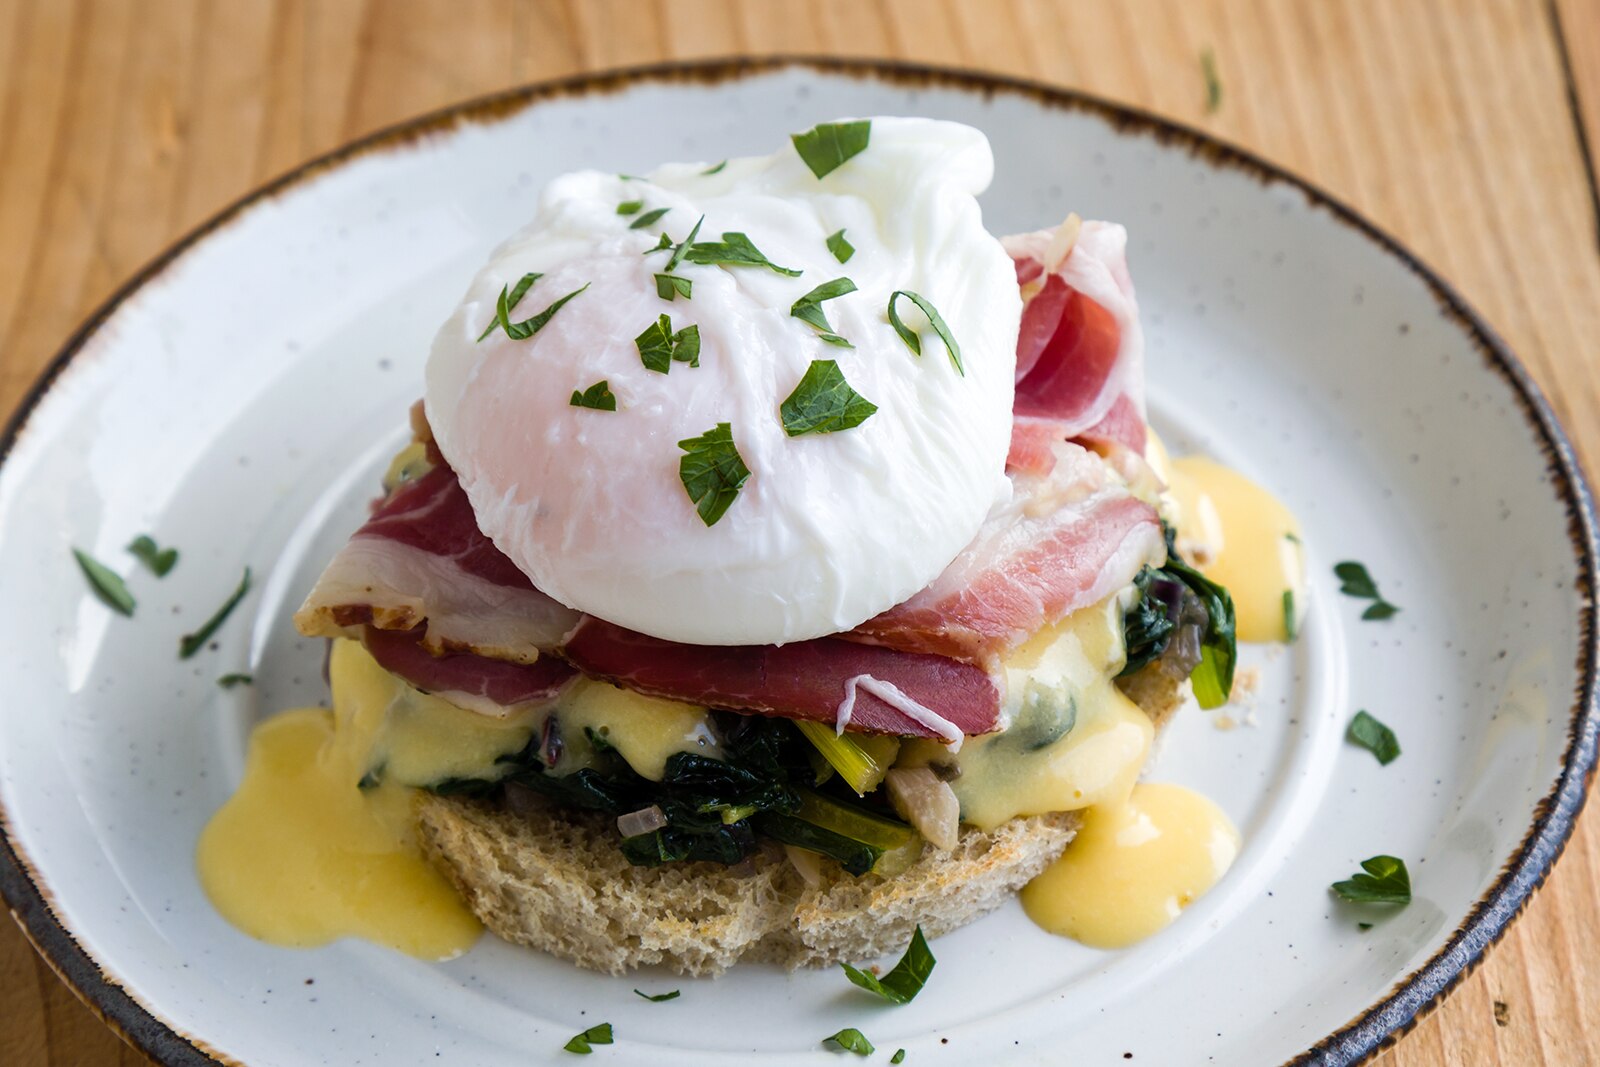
column 1242, row 538
column 303, row 854
column 1134, row 867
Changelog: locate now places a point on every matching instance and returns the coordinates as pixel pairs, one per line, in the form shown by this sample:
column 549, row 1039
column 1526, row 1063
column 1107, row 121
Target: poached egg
column 829, row 529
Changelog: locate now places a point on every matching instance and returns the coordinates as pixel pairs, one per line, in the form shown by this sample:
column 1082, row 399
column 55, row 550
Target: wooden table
column 1463, row 127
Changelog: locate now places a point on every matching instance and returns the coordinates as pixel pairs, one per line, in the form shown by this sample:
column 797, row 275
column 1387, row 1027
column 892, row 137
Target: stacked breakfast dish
column 780, row 562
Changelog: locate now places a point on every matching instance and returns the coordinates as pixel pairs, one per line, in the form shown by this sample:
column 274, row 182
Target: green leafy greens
column 712, row 471
column 808, row 309
column 598, row 396
column 659, row 348
column 902, row 984
column 649, row 218
column 734, row 250
column 595, row 1035
column 1375, row 737
column 521, row 331
column 829, row 145
column 842, row 250
column 1386, row 881
column 912, row 339
column 1359, row 584
column 106, row 583
column 194, row 642
column 1172, row 600
column 159, row 560
column 851, row 1040
column 823, row 402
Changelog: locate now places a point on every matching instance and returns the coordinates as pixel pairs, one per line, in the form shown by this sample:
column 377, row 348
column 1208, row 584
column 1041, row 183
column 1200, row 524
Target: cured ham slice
column 477, row 683
column 803, row 680
column 421, row 561
column 1080, row 351
column 1066, row 540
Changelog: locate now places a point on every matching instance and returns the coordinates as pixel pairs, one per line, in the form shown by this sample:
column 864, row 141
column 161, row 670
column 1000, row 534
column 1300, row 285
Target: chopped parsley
column 521, row 331
column 630, row 207
column 228, row 681
column 902, row 984
column 106, row 583
column 808, row 309
column 511, row 298
column 598, row 396
column 829, row 145
column 1291, row 629
column 823, row 402
column 659, row 347
column 851, row 1040
column 1208, row 71
column 842, row 250
column 1375, row 737
column 899, row 1056
column 716, row 168
column 712, row 471
column 649, row 218
column 192, row 643
column 1386, row 881
column 734, row 250
column 595, row 1035
column 912, row 339
column 1359, row 584
column 159, row 560
column 671, row 286
column 657, row 998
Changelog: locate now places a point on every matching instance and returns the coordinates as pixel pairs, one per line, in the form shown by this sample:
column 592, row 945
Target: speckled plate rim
column 1381, row 1025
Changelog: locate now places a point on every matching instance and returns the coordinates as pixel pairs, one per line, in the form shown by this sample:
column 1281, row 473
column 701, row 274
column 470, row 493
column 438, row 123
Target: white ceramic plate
column 239, row 398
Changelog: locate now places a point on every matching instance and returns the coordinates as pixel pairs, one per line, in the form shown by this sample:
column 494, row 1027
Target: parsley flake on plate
column 595, row 1035
column 1375, row 737
column 829, row 145
column 734, row 250
column 659, row 348
column 657, row 998
column 194, row 642
column 106, row 583
column 912, row 339
column 808, row 309
column 1385, row 881
column 902, row 984
column 851, row 1040
column 598, row 396
column 159, row 560
column 1359, row 584
column 649, row 218
column 823, row 402
column 842, row 250
column 512, row 298
column 712, row 471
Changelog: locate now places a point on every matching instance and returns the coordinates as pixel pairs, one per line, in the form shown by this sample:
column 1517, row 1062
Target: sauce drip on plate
column 1134, row 867
column 302, row 856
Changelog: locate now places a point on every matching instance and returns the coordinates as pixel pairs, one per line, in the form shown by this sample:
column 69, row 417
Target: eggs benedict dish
column 780, row 562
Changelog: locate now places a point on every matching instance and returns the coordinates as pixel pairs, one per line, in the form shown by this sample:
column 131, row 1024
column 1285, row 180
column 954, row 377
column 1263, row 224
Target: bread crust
column 554, row 880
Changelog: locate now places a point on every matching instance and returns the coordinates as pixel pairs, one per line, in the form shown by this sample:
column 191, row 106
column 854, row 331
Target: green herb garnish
column 902, row 984
column 106, row 583
column 598, row 396
column 1213, row 677
column 823, row 402
column 670, row 287
column 899, row 1056
column 595, row 1035
column 192, row 643
column 228, row 681
column 1375, row 737
column 716, row 168
column 852, row 1040
column 734, row 250
column 521, row 331
column 912, row 339
column 1385, row 882
column 630, row 207
column 1290, row 625
column 512, row 298
column 649, row 218
column 842, row 250
column 159, row 560
column 659, row 347
column 808, row 309
column 1208, row 70
column 1363, row 926
column 828, row 145
column 1359, row 584
column 712, row 471
column 658, row 997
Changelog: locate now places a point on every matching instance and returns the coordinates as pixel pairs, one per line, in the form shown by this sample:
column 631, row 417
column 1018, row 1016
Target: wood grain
column 1459, row 126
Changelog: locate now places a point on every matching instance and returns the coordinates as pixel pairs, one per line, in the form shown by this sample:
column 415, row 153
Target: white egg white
column 830, row 529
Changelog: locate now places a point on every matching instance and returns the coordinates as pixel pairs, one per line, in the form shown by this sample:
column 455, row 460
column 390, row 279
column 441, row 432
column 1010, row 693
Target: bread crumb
column 1224, row 722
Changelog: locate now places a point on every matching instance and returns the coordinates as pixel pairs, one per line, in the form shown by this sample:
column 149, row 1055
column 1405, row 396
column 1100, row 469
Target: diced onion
column 644, row 821
column 926, row 803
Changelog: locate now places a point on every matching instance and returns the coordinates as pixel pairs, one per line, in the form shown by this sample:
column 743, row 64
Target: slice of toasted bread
column 555, row 880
